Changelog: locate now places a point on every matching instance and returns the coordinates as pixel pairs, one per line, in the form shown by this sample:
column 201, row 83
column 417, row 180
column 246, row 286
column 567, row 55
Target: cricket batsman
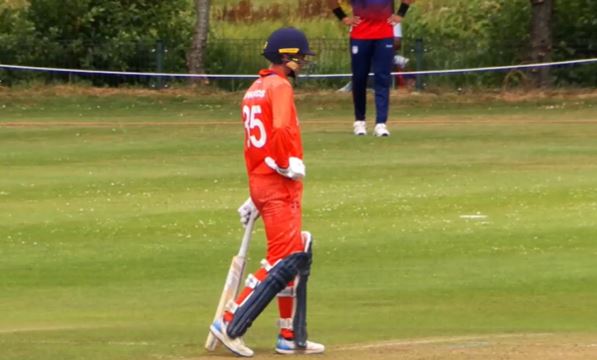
column 274, row 160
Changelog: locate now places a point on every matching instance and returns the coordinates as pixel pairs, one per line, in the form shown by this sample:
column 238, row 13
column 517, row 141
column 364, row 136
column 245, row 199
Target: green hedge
column 116, row 35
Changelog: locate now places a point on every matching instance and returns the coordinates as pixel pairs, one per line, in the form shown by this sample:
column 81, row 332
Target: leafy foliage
column 122, row 35
column 575, row 26
column 98, row 34
column 460, row 34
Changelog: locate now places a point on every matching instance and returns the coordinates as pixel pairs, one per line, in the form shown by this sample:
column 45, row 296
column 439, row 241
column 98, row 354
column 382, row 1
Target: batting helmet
column 288, row 41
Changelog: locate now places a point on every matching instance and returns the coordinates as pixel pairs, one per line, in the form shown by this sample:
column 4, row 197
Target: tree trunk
column 541, row 40
column 196, row 55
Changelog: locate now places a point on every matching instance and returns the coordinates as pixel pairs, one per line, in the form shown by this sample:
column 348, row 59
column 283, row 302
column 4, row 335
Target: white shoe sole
column 224, row 340
column 359, row 128
column 287, row 350
column 381, row 133
column 299, row 352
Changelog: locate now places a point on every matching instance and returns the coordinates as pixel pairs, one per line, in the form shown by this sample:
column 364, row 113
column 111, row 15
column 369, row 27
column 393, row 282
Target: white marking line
column 473, row 217
column 400, row 343
column 74, row 342
column 48, row 328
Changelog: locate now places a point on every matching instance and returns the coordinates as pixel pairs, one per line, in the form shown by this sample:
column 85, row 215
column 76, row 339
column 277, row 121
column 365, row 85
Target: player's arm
column 341, row 15
column 401, row 13
column 284, row 156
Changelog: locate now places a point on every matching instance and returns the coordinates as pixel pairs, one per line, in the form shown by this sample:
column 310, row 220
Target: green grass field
column 118, row 220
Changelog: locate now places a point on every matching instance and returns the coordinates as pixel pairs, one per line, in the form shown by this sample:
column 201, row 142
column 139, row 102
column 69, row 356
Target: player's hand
column 246, row 211
column 351, row 20
column 295, row 170
column 394, row 19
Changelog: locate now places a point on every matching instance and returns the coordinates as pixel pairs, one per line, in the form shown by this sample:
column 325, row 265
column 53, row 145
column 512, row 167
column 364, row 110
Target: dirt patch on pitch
column 504, row 346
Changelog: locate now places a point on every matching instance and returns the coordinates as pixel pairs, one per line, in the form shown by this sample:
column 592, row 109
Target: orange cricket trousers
column 278, row 200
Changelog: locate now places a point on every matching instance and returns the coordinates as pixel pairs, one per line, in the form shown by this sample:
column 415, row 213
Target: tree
column 574, row 29
column 105, row 34
column 541, row 39
column 196, row 56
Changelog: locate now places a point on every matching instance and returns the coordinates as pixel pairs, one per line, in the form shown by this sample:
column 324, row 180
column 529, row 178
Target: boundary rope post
column 419, row 63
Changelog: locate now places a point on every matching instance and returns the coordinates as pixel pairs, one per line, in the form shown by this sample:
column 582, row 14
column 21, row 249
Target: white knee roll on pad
column 252, row 281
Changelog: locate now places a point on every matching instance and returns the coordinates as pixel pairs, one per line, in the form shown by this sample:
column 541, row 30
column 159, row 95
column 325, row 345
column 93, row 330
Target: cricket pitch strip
column 540, row 346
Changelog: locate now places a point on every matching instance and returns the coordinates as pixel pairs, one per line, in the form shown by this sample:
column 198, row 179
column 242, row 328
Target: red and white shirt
column 271, row 123
column 374, row 16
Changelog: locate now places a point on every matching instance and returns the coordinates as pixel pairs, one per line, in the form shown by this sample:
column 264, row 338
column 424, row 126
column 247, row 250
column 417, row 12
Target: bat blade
column 231, row 288
column 233, row 279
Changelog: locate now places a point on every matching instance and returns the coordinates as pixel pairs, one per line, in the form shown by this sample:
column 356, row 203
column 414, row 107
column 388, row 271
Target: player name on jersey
column 254, row 94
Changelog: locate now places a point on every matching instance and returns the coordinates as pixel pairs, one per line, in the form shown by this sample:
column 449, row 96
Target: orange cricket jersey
column 271, row 123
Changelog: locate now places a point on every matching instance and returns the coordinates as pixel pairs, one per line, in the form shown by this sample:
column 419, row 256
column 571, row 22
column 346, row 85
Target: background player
column 400, row 61
column 372, row 47
column 274, row 159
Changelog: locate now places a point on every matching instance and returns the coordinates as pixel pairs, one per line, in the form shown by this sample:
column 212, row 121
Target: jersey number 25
column 252, row 121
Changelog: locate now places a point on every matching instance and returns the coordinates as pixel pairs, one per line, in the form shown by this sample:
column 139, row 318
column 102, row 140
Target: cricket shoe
column 360, row 128
column 236, row 345
column 381, row 130
column 400, row 61
column 346, row 88
column 288, row 347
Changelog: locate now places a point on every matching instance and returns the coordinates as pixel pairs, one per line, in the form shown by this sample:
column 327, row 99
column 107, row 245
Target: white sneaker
column 400, row 61
column 360, row 128
column 381, row 130
column 346, row 88
column 288, row 347
column 236, row 345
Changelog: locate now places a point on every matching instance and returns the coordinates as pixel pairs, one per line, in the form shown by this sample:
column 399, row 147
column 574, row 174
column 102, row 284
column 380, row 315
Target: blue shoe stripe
column 283, row 345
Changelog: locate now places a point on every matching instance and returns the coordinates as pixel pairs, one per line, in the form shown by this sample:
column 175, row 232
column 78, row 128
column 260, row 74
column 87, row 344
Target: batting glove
column 246, row 211
column 295, row 170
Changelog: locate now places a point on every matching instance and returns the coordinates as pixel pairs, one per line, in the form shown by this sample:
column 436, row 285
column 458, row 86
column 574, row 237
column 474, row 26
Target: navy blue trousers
column 374, row 55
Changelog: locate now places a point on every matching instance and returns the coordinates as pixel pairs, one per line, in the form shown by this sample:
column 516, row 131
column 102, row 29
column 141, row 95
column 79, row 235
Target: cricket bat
column 233, row 279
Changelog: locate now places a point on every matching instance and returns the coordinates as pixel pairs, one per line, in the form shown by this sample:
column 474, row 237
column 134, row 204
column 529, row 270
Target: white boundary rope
column 472, row 70
column 306, row 76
